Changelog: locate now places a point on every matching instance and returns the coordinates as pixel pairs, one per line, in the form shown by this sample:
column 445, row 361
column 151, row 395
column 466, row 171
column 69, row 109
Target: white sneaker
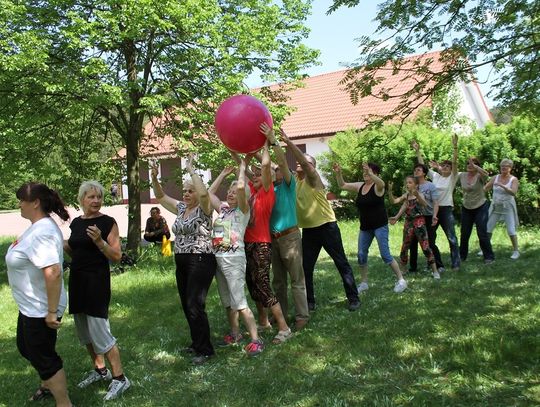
column 480, row 253
column 116, row 388
column 515, row 255
column 93, row 377
column 400, row 286
column 362, row 287
column 436, row 275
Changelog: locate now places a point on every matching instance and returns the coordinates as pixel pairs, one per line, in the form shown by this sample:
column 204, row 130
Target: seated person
column 156, row 227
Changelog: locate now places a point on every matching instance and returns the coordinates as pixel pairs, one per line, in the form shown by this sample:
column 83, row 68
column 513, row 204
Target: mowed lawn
column 470, row 339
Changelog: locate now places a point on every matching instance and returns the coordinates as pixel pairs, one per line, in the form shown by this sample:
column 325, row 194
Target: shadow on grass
column 470, row 339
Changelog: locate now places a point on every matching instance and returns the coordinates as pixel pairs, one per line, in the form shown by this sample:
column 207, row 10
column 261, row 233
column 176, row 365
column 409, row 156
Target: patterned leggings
column 259, row 257
column 415, row 227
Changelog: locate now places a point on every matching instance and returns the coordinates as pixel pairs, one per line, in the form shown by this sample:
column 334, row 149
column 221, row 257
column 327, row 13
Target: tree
column 501, row 34
column 123, row 62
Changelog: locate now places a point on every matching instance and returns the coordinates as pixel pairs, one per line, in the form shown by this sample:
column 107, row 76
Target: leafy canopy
column 503, row 35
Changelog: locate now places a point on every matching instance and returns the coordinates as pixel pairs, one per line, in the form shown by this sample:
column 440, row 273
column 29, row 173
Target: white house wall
column 472, row 105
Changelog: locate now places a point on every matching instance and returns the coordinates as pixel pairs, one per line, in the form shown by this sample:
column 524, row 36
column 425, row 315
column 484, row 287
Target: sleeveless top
column 371, row 209
column 192, row 235
column 413, row 209
column 499, row 193
column 312, row 207
column 89, row 276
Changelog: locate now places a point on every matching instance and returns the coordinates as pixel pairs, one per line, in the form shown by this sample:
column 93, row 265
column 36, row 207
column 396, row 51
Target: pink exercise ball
column 238, row 121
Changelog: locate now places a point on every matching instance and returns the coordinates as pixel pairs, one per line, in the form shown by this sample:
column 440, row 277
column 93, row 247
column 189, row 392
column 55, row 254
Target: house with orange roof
column 322, row 108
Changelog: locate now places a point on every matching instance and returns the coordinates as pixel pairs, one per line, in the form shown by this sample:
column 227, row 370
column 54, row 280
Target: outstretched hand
column 336, row 167
column 268, row 133
column 189, row 163
column 153, row 164
column 367, row 169
column 415, row 145
column 284, row 136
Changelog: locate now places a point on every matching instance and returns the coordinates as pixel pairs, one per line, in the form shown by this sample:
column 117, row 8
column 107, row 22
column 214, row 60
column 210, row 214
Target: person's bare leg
column 58, row 387
column 232, row 317
column 113, row 356
column 397, row 271
column 514, row 241
column 278, row 316
column 97, row 360
column 263, row 315
column 249, row 321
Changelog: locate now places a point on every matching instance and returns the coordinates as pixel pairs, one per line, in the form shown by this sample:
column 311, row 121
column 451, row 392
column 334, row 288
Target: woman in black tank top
column 373, row 221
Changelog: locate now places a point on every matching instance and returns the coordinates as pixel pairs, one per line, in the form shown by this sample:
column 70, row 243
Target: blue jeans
column 327, row 236
column 447, row 222
column 365, row 238
column 478, row 217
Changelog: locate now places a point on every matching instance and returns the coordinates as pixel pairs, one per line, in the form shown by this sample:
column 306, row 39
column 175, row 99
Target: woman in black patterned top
column 193, row 251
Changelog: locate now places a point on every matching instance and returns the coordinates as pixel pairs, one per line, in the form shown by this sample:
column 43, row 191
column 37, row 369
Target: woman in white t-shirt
column 34, row 265
column 228, row 242
column 445, row 182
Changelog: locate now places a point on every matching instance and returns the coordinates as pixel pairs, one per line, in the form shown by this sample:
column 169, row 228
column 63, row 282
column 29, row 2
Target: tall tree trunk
column 134, row 192
column 133, row 141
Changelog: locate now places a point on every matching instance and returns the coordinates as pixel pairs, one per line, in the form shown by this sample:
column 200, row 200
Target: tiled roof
column 323, row 106
column 153, row 143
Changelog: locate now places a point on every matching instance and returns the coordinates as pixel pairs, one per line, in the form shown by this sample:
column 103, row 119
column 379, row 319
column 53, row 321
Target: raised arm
column 379, row 183
column 278, row 151
column 214, row 200
column 165, row 200
column 266, row 168
column 483, row 173
column 198, row 184
column 455, row 155
column 347, row 186
column 416, row 148
column 393, row 200
column 241, row 195
column 312, row 177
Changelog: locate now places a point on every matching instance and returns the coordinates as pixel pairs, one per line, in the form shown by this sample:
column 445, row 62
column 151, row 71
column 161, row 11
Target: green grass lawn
column 472, row 339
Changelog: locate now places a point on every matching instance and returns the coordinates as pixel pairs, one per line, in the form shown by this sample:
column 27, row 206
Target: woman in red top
column 258, row 248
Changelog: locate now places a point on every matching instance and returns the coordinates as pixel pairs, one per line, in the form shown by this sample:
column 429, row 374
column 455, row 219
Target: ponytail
column 49, row 200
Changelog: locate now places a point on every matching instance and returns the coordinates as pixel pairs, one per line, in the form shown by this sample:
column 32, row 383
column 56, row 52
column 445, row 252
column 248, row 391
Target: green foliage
column 498, row 33
column 519, row 140
column 78, row 76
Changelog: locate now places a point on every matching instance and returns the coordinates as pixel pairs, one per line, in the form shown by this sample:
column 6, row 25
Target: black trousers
column 194, row 274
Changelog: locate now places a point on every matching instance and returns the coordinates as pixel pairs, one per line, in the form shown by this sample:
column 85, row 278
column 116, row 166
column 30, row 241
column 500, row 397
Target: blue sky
column 334, row 35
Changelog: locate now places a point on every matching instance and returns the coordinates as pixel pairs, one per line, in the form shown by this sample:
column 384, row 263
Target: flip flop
column 40, row 394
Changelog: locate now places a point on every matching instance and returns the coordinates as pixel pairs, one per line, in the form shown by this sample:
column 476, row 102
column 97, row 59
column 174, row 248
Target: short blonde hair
column 507, row 161
column 246, row 188
column 87, row 186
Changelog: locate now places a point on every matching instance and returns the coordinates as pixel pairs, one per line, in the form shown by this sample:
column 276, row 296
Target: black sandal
column 40, row 394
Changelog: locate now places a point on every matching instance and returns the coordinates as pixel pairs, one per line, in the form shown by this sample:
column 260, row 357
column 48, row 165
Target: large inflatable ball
column 238, row 121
